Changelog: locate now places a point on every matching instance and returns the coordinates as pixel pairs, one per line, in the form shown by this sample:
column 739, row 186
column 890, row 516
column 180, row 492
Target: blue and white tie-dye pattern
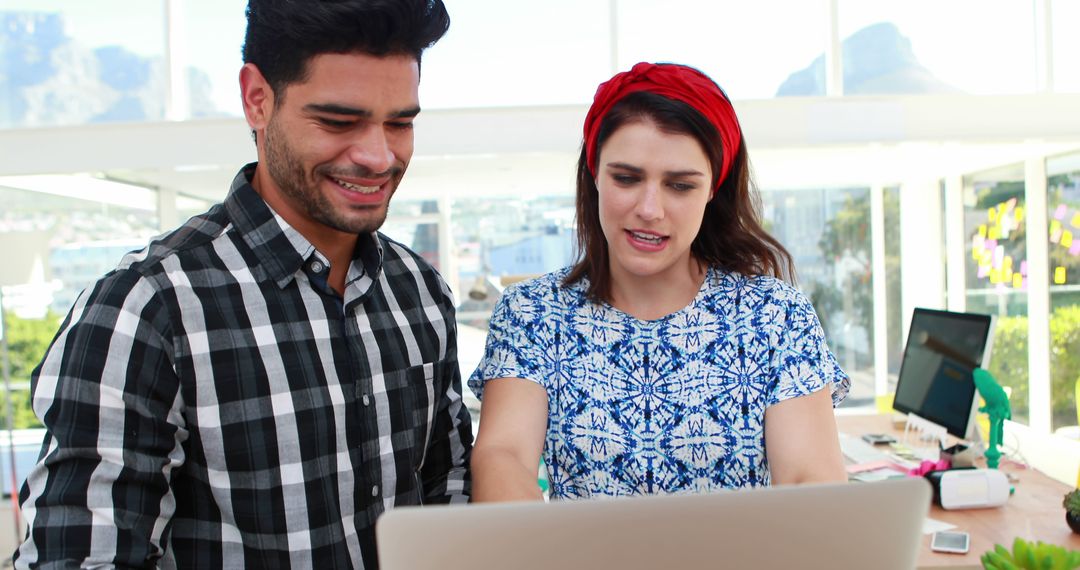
column 666, row 406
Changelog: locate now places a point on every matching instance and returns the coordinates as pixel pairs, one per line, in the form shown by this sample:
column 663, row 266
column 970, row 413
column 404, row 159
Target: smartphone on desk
column 952, row 541
column 876, row 438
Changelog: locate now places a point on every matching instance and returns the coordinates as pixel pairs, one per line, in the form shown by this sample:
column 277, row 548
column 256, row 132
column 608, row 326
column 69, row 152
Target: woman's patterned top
column 671, row 405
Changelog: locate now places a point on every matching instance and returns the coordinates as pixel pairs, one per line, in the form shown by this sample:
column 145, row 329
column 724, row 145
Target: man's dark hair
column 282, row 35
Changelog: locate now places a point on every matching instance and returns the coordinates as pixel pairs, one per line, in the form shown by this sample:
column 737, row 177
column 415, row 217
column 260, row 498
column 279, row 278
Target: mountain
column 47, row 78
column 877, row 60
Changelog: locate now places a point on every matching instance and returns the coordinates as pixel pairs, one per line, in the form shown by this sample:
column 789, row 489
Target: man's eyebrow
column 337, row 109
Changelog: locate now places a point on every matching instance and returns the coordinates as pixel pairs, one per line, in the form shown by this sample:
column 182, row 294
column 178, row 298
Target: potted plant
column 1072, row 509
column 1031, row 556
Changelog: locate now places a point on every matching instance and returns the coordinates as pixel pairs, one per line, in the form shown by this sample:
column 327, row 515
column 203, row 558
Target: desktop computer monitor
column 935, row 380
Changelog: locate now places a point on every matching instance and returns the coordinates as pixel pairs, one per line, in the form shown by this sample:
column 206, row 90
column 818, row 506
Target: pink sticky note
column 1023, row 268
column 984, row 270
column 1059, row 214
column 1075, row 249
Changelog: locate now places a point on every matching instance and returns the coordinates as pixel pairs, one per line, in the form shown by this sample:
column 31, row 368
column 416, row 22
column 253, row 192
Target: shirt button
column 367, row 400
column 375, row 491
column 317, row 266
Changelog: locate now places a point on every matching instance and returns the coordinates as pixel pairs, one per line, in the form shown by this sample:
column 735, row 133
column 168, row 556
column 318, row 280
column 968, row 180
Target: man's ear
column 257, row 97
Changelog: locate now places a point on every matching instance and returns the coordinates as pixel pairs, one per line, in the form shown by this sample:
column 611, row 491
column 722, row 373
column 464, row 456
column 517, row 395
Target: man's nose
column 371, row 150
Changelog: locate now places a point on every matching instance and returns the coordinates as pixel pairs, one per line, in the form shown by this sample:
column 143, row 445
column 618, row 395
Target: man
column 256, row 387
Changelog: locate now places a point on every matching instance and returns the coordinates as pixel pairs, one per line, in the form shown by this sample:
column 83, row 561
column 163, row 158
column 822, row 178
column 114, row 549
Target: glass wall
column 1063, row 200
column 716, row 36
column 978, row 47
column 827, row 232
column 64, row 63
column 894, row 300
column 1066, row 45
column 497, row 54
column 996, row 272
column 56, row 244
column 211, row 35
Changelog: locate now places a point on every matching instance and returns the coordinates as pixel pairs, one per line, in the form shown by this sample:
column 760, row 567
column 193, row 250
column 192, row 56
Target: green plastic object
column 997, row 407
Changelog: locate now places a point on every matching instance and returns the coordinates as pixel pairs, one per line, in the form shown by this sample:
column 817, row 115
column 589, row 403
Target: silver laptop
column 857, row 525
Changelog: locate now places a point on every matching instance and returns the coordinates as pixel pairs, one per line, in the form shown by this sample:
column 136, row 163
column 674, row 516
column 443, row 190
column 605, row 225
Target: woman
column 671, row 357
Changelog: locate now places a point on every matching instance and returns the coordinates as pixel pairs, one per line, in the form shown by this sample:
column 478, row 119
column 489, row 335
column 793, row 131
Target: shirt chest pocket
column 408, row 404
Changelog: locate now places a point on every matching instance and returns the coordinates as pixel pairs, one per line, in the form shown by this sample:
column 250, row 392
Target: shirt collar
column 280, row 248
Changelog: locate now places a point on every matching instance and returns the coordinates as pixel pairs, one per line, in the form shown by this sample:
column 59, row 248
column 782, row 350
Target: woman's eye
column 624, row 178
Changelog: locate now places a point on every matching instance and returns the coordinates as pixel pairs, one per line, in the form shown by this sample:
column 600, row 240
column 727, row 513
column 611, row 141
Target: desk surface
column 1034, row 511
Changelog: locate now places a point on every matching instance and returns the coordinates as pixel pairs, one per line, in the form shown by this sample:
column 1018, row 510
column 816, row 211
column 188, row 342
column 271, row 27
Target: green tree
column 27, row 340
column 1010, row 365
column 847, row 236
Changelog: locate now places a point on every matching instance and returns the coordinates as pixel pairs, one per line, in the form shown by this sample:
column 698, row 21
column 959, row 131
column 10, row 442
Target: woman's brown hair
column 731, row 237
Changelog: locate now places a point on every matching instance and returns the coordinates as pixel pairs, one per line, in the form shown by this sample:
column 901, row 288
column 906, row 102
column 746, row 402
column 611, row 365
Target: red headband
column 674, row 81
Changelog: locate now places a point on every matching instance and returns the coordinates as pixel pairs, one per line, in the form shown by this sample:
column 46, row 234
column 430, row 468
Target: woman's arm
column 801, row 440
column 506, row 457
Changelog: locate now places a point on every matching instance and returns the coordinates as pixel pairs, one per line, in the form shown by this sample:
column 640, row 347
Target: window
column 996, row 272
column 979, row 47
column 1063, row 201
column 787, row 40
column 497, row 54
column 59, row 235
column 893, row 278
column 1066, row 45
column 827, row 232
column 65, row 64
column 211, row 37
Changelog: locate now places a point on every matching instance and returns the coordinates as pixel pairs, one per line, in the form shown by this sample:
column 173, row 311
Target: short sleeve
column 517, row 342
column 802, row 362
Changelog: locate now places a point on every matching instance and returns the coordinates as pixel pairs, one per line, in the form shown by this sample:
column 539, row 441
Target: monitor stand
column 925, row 431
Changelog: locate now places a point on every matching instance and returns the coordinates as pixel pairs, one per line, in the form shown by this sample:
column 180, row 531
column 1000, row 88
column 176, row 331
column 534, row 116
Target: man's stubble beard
column 288, row 173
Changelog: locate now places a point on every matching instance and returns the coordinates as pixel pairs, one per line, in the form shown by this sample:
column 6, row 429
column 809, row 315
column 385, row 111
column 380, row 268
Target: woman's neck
column 655, row 297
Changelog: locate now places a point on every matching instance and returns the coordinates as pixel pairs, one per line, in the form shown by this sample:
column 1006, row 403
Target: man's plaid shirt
column 213, row 403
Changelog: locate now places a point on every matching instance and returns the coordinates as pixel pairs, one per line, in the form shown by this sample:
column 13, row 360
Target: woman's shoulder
column 548, row 285
column 543, row 294
column 755, row 290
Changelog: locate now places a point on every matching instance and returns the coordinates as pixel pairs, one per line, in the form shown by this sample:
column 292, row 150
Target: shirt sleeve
column 516, row 343
column 445, row 473
column 802, row 361
column 108, row 396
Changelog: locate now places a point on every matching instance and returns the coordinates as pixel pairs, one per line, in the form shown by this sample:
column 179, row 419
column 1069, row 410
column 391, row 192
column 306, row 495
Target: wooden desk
column 1034, row 511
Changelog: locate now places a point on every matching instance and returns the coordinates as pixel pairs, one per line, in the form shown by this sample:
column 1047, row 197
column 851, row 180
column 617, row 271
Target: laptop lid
column 855, row 525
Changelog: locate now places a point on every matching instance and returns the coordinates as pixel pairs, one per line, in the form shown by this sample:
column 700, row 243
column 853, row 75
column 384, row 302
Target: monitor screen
column 935, row 380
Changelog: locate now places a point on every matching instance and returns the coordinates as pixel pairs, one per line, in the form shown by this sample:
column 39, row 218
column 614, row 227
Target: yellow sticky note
column 982, row 229
column 995, row 232
column 1066, row 239
column 1007, row 262
column 1076, row 220
column 1019, row 214
column 1018, row 281
column 884, row 403
column 1059, row 276
column 991, row 214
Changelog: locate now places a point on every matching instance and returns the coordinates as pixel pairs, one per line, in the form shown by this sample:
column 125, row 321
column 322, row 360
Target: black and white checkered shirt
column 213, row 403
